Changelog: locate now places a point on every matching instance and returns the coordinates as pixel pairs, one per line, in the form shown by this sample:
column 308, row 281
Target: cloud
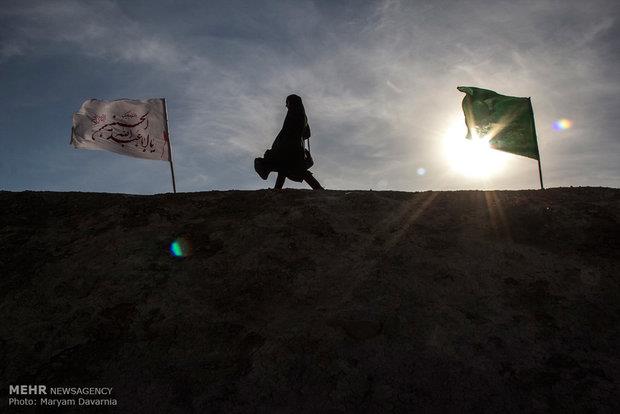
column 97, row 29
column 378, row 80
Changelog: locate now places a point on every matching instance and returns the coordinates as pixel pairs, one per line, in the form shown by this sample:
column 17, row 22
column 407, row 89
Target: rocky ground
column 301, row 301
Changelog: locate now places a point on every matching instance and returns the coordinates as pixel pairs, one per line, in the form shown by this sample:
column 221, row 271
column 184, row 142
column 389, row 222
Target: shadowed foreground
column 301, row 301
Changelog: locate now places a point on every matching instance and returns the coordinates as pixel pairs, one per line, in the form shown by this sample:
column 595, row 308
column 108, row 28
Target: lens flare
column 421, row 171
column 562, row 124
column 180, row 247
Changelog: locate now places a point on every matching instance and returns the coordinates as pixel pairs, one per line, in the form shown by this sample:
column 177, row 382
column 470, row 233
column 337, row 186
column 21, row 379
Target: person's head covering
column 296, row 110
column 294, row 104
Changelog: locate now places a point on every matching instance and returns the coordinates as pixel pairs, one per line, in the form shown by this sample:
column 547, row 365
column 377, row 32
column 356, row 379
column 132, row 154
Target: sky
column 378, row 80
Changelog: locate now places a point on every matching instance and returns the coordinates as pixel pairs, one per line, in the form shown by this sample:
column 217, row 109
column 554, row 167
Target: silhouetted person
column 287, row 155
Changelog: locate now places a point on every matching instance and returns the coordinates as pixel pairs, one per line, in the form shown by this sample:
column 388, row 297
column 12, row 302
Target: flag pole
column 540, row 173
column 537, row 149
column 174, row 186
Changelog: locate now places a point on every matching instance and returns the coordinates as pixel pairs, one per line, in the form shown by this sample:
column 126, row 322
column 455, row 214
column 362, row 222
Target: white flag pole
column 174, row 186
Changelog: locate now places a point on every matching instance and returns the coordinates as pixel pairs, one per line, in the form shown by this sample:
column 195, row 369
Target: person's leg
column 309, row 178
column 280, row 181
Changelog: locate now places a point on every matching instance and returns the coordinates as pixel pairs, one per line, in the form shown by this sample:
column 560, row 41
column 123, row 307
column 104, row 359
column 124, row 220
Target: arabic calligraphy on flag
column 137, row 128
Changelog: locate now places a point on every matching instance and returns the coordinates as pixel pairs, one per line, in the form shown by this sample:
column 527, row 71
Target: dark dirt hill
column 301, row 301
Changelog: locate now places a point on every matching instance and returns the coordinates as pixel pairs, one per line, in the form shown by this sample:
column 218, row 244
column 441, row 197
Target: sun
column 471, row 158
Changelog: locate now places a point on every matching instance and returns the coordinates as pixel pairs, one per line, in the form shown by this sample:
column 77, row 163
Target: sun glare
column 472, row 158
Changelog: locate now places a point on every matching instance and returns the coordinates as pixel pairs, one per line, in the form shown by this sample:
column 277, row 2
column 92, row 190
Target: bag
column 261, row 168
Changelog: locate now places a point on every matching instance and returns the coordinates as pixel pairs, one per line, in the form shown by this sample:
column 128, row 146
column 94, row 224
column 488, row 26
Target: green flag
column 507, row 121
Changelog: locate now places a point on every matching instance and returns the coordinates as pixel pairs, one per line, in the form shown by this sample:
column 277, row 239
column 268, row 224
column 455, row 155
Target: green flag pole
column 537, row 148
column 540, row 173
column 174, row 186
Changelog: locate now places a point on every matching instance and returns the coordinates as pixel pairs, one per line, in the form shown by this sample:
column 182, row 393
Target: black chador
column 288, row 156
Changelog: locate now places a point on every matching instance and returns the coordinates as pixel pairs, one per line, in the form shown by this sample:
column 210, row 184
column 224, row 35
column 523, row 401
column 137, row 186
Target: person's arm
column 294, row 127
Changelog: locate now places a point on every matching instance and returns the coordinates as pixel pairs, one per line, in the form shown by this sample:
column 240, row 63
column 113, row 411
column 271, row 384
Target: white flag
column 137, row 128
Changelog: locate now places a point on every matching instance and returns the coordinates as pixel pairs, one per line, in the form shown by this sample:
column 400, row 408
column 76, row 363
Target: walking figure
column 288, row 155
